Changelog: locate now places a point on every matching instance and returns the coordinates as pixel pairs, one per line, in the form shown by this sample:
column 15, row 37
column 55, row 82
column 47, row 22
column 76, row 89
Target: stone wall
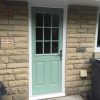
column 80, row 46
column 14, row 55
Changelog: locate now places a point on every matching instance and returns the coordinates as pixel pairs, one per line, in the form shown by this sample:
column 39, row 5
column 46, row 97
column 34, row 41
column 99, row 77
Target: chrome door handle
column 60, row 54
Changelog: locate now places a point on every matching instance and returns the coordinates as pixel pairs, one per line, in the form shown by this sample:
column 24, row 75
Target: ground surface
column 73, row 97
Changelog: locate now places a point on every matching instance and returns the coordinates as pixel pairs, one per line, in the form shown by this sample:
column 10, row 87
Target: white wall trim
column 97, row 49
column 62, row 93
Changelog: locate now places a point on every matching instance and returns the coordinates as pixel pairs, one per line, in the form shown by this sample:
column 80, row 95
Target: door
column 46, row 50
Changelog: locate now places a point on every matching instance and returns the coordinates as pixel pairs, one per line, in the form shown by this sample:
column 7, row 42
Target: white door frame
column 62, row 93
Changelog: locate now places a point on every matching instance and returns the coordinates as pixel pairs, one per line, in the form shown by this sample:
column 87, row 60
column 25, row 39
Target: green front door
column 46, row 50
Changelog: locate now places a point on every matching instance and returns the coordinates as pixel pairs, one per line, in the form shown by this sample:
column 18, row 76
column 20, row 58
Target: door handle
column 60, row 54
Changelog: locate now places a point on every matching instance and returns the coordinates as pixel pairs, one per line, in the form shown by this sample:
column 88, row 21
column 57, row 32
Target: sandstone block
column 20, row 97
column 74, row 84
column 74, row 56
column 6, row 27
column 18, row 33
column 9, row 77
column 7, row 71
column 72, row 72
column 4, row 59
column 20, row 71
column 2, row 66
column 72, row 78
column 18, row 83
column 71, row 91
column 21, row 76
column 20, row 39
column 3, row 21
column 3, row 33
column 18, row 22
column 20, row 28
column 17, row 65
column 7, row 97
column 18, row 59
column 16, row 52
column 21, row 45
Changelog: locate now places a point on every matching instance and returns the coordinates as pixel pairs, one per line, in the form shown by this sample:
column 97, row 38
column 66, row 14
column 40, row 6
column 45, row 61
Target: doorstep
column 72, row 97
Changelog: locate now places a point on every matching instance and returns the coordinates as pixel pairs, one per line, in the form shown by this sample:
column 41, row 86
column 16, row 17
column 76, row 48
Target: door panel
column 46, row 44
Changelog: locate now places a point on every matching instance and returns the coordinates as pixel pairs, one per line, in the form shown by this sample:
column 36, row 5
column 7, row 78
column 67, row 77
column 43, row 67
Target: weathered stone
column 20, row 71
column 18, row 33
column 74, row 84
column 18, row 59
column 20, row 28
column 81, row 49
column 2, row 66
column 9, row 77
column 18, row 83
column 20, row 97
column 21, row 45
column 21, row 76
column 18, row 22
column 3, row 33
column 16, row 52
column 4, row 59
column 17, row 65
column 6, row 27
column 20, row 39
column 7, row 97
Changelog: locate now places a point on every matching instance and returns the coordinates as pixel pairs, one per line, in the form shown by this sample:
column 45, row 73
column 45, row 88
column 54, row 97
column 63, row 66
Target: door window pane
column 55, row 32
column 55, row 20
column 39, row 20
column 39, row 34
column 47, row 33
column 47, row 20
column 39, row 47
column 46, row 47
column 54, row 47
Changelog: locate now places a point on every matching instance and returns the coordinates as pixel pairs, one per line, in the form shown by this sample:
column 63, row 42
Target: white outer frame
column 62, row 93
column 97, row 49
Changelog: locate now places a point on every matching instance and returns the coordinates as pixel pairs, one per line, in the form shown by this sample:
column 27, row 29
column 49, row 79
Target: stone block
column 4, row 59
column 6, row 27
column 74, row 56
column 20, row 97
column 72, row 78
column 7, row 71
column 2, row 66
column 72, row 72
column 20, row 39
column 7, row 97
column 71, row 91
column 16, row 52
column 18, row 59
column 20, row 28
column 74, row 84
column 18, row 83
column 18, row 22
column 20, row 71
column 18, row 33
column 17, row 65
column 3, row 33
column 21, row 45
column 21, row 76
column 9, row 77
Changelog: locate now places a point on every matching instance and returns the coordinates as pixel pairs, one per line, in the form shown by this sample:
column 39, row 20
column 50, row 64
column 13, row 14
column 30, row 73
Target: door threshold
column 45, row 96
